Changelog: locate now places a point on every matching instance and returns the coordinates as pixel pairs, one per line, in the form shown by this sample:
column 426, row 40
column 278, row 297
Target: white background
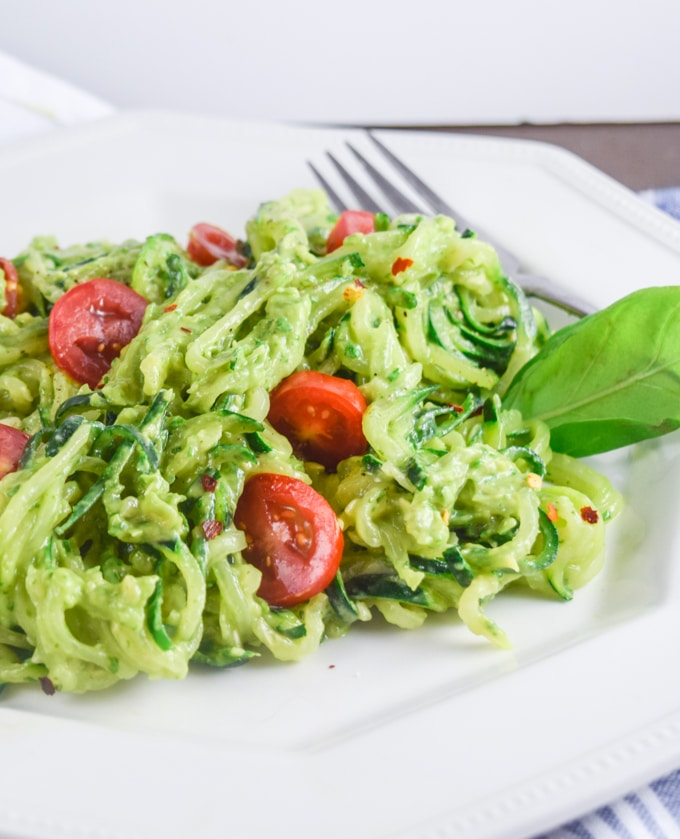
column 385, row 62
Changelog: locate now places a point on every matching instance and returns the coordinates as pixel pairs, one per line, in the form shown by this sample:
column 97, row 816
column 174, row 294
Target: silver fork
column 533, row 285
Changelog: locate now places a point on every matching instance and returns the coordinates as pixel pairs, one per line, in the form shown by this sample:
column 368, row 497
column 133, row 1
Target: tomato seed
column 302, row 540
column 534, row 481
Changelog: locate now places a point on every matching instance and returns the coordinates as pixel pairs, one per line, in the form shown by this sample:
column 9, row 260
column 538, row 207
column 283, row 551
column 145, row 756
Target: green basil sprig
column 609, row 380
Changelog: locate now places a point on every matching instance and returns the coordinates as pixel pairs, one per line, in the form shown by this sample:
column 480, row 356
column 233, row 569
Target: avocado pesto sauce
column 119, row 550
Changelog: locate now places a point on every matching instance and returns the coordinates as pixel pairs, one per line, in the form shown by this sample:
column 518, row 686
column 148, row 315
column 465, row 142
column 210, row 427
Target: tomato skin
column 12, row 288
column 12, row 444
column 320, row 415
column 90, row 324
column 208, row 243
column 350, row 221
column 293, row 535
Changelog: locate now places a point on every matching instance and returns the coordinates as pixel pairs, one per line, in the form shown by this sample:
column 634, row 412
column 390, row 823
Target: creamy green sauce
column 106, row 566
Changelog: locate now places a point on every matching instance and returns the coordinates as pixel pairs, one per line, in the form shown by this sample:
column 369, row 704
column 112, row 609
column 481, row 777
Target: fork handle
column 541, row 289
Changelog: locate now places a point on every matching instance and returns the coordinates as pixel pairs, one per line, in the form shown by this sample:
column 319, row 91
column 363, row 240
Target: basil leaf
column 609, row 380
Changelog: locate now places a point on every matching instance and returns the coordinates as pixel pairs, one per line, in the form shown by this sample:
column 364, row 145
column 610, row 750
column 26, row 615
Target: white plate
column 384, row 733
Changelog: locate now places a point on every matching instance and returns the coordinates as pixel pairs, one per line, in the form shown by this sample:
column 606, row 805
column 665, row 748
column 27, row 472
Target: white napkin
column 32, row 102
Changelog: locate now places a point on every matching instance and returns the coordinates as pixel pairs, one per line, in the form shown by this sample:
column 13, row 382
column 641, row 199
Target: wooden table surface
column 640, row 156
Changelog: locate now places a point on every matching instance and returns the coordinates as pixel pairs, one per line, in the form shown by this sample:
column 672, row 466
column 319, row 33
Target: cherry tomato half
column 350, row 221
column 293, row 535
column 208, row 243
column 12, row 444
column 320, row 415
column 89, row 326
column 12, row 288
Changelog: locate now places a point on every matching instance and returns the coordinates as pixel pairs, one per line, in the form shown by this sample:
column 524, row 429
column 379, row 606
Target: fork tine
column 335, row 199
column 533, row 285
column 435, row 201
column 366, row 202
column 439, row 205
column 400, row 202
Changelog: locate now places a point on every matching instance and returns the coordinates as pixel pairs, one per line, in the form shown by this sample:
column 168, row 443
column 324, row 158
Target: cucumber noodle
column 105, row 568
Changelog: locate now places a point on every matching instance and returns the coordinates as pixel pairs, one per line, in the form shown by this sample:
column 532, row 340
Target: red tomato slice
column 293, row 535
column 12, row 444
column 208, row 243
column 12, row 288
column 89, row 326
column 320, row 415
column 350, row 221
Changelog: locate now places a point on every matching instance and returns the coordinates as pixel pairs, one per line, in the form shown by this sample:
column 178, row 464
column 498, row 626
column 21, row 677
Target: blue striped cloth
column 652, row 812
column 667, row 199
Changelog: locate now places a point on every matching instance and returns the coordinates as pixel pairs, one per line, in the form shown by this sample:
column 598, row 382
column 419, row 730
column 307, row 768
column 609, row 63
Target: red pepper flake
column 401, row 263
column 209, row 483
column 170, row 308
column 212, row 528
column 47, row 686
column 551, row 512
column 589, row 515
column 184, row 329
column 458, row 409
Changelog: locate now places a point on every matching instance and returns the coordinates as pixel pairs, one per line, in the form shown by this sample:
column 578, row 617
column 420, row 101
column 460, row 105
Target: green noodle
column 105, row 567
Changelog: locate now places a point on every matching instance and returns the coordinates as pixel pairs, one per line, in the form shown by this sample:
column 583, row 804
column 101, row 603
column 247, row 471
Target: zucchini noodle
column 107, row 569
